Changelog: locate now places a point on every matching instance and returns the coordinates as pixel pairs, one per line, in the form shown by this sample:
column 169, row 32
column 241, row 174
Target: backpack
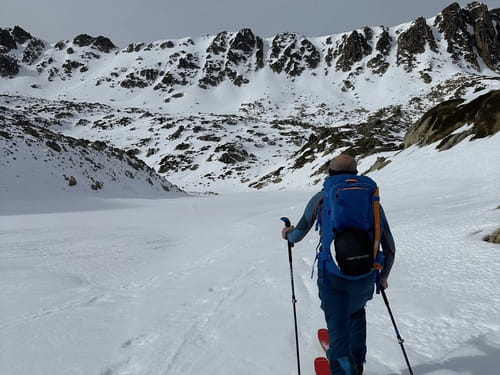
column 350, row 218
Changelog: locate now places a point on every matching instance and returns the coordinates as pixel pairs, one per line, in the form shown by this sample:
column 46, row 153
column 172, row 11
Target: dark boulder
column 33, row 51
column 103, row 44
column 83, row 40
column 60, row 45
column 20, row 35
column 167, row 44
column 9, row 66
column 7, row 40
column 232, row 153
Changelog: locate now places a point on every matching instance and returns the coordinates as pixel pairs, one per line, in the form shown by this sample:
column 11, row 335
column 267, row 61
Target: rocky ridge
column 470, row 35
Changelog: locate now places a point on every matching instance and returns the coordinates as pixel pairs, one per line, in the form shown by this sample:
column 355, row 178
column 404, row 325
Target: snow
column 201, row 284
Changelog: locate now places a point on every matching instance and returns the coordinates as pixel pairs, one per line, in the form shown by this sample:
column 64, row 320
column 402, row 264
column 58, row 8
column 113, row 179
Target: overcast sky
column 125, row 21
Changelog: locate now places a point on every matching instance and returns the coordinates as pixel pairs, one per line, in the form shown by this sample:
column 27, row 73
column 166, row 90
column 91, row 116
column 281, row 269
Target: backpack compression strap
column 376, row 239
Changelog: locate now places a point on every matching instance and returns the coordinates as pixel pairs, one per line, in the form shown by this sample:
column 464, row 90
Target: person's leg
column 358, row 336
column 335, row 302
column 362, row 291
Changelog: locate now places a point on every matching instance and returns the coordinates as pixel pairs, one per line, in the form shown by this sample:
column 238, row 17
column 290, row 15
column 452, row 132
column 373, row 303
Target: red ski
column 321, row 364
column 323, row 338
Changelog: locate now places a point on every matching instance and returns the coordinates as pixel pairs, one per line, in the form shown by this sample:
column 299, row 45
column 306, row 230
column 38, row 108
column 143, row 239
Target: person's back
column 345, row 289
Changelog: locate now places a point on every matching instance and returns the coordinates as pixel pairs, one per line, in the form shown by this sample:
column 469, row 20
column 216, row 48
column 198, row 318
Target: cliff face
column 456, row 24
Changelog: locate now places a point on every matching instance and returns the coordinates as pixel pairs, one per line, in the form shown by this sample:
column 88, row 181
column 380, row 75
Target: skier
column 343, row 297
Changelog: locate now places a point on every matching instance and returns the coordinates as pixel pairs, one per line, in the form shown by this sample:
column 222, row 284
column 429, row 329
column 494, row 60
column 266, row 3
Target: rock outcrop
column 379, row 63
column 7, row 42
column 101, row 43
column 352, row 48
column 452, row 121
column 8, row 66
column 292, row 54
column 413, row 42
column 233, row 57
column 456, row 24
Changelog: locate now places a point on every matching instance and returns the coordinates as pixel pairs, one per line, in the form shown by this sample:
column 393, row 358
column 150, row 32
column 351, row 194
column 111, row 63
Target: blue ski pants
column 343, row 302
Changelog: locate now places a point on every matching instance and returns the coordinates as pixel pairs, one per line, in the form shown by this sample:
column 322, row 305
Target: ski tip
column 324, row 339
column 321, row 366
column 320, row 360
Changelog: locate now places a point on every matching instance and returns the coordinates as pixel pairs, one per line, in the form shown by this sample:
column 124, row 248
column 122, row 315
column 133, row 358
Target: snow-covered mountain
column 237, row 111
column 36, row 162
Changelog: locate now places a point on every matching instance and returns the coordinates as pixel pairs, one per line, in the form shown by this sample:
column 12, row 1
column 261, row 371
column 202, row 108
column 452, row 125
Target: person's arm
column 388, row 246
column 307, row 220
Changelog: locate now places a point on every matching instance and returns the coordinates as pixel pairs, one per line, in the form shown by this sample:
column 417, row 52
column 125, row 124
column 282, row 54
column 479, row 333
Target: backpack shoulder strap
column 377, row 264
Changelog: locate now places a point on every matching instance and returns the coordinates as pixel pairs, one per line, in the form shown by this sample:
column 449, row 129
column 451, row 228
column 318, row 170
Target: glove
column 383, row 282
column 285, row 231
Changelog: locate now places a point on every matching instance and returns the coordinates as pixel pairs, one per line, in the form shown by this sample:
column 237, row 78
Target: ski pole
column 294, row 301
column 400, row 339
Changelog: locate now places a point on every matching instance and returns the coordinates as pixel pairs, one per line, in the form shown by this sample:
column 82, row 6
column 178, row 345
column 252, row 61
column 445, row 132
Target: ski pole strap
column 315, row 258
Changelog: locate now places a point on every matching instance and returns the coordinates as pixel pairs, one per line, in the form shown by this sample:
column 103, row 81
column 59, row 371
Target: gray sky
column 125, row 21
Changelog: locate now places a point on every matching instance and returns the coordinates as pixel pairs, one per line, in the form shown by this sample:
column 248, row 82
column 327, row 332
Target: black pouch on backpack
column 353, row 252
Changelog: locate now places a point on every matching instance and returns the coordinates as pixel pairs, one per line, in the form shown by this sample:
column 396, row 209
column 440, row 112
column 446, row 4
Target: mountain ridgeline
column 472, row 36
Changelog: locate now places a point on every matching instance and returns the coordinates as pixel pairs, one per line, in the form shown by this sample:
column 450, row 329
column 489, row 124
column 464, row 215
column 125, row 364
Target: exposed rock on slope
column 413, row 42
column 455, row 24
column 292, row 54
column 353, row 48
column 232, row 57
column 451, row 122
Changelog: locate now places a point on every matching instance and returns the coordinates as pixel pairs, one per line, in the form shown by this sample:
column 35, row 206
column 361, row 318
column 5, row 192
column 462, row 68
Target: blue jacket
column 307, row 220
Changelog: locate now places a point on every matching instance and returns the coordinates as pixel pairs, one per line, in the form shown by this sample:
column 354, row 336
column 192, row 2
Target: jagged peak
column 102, row 43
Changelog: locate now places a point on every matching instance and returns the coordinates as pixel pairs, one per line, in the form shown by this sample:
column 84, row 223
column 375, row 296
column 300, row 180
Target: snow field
column 202, row 284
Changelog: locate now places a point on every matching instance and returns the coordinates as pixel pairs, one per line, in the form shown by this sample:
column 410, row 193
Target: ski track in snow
column 202, row 284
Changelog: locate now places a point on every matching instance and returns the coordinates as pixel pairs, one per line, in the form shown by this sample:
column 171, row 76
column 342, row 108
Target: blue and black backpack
column 349, row 218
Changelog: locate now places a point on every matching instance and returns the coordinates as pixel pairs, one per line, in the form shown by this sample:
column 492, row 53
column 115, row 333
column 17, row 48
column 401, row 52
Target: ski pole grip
column 286, row 221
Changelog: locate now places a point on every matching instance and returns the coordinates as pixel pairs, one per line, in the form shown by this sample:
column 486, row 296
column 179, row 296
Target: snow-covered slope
column 201, row 285
column 38, row 164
